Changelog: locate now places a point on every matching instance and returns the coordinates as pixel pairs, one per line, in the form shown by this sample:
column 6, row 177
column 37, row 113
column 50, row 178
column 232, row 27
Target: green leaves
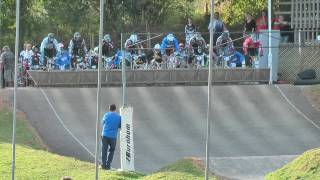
column 39, row 17
column 233, row 11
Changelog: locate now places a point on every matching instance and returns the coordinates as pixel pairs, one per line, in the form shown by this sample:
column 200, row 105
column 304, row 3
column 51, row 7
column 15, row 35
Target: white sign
column 126, row 139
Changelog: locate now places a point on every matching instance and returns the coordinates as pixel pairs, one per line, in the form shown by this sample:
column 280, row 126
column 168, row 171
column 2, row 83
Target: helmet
column 107, row 38
column 225, row 34
column 181, row 45
column 156, row 47
column 170, row 37
column 5, row 48
column 61, row 45
column 77, row 36
column 96, row 50
column 198, row 36
column 51, row 36
column 134, row 38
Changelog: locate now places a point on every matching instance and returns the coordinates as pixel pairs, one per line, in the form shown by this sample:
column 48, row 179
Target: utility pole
column 16, row 50
column 209, row 91
column 98, row 124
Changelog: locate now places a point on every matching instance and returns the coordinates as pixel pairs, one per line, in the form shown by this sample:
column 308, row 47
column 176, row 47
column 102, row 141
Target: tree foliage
column 39, row 17
column 233, row 11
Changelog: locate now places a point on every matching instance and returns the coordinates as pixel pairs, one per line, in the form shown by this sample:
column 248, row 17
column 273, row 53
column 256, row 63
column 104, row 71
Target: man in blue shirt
column 111, row 122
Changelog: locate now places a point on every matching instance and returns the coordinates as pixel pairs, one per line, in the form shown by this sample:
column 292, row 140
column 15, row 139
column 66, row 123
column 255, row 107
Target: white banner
column 126, row 139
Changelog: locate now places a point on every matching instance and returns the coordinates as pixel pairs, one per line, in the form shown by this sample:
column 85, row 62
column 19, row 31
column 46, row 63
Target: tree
column 7, row 23
column 233, row 11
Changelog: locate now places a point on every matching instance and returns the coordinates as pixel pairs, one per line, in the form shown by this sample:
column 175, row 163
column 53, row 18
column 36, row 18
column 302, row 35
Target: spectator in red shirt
column 276, row 23
column 262, row 21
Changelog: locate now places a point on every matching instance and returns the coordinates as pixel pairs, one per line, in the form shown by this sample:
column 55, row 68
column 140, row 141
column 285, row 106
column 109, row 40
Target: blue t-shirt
column 111, row 122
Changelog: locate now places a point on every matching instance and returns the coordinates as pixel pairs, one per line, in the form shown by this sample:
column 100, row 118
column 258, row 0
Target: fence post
column 300, row 41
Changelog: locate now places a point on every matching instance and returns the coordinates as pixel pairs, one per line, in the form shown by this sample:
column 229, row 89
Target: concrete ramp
column 169, row 122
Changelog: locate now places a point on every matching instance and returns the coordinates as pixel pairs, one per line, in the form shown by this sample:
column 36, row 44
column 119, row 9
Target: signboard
column 126, row 139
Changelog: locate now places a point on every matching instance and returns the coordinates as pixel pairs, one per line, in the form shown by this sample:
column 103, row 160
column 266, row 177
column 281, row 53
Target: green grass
column 306, row 167
column 184, row 169
column 34, row 162
column 183, row 166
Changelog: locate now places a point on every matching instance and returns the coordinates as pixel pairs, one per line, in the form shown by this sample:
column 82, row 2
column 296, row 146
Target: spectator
column 284, row 29
column 262, row 22
column 218, row 27
column 111, row 123
column 276, row 23
column 8, row 60
column 250, row 24
column 26, row 54
column 189, row 30
column 35, row 59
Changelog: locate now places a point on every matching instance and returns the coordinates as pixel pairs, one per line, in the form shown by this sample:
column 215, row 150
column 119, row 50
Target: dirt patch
column 313, row 95
column 199, row 163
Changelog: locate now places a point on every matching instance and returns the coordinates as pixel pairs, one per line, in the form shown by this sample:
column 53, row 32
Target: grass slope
column 34, row 162
column 306, row 167
column 185, row 169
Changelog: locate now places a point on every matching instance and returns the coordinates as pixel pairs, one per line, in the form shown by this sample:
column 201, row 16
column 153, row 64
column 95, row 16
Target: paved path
column 170, row 122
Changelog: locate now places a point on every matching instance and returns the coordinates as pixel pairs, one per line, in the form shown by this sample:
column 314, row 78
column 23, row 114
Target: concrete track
column 170, row 122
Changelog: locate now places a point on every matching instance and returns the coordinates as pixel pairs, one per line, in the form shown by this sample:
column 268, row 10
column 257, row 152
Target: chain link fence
column 294, row 59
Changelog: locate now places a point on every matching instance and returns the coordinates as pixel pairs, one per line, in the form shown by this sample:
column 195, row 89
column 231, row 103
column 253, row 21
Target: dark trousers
column 108, row 144
column 2, row 82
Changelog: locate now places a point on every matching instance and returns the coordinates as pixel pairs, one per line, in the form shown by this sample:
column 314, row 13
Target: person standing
column 218, row 27
column 26, row 54
column 281, row 24
column 111, row 122
column 250, row 25
column 189, row 31
column 7, row 57
column 262, row 22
